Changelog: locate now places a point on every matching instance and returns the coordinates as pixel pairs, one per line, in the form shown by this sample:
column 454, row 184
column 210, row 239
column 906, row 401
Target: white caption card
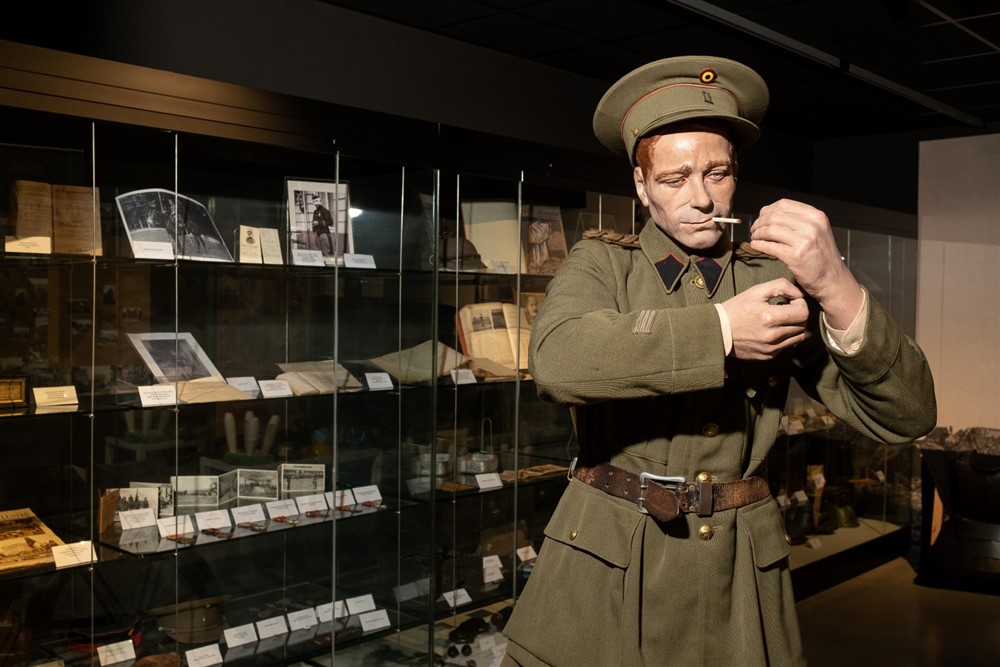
column 783, row 501
column 814, row 543
column 315, row 502
column 489, row 481
column 302, row 257
column 360, row 604
column 213, row 519
column 356, row 261
column 158, row 394
column 153, row 249
column 272, row 627
column 203, row 656
column 302, row 619
column 324, row 612
column 109, row 654
column 500, row 266
column 526, row 553
column 492, row 574
column 274, row 389
column 344, row 498
column 800, row 496
column 500, row 650
column 463, row 376
column 143, row 518
column 487, row 642
column 340, row 608
column 78, row 553
column 175, row 525
column 367, row 494
column 406, row 592
column 457, row 597
column 378, row 381
column 276, row 508
column 418, row 485
column 46, row 396
column 246, row 384
column 492, row 561
column 249, row 513
column 240, row 635
column 375, row 620
column 880, row 475
column 819, row 480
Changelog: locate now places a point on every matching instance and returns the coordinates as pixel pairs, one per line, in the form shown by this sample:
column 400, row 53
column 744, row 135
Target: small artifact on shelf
column 194, row 621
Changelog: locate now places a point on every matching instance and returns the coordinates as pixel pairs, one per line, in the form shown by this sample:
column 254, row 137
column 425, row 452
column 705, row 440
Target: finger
column 779, row 287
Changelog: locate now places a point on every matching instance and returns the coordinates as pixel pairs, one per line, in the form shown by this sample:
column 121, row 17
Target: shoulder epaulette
column 611, row 237
column 743, row 250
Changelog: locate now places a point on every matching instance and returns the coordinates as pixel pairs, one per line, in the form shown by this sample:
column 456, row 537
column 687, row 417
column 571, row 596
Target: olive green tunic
column 631, row 338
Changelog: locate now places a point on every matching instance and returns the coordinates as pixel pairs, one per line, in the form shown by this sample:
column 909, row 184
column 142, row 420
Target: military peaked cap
column 676, row 89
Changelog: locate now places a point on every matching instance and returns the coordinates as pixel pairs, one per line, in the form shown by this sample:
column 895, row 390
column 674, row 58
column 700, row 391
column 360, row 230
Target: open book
column 317, row 377
column 494, row 331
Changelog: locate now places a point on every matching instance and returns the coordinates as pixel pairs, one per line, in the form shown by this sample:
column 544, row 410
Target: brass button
column 699, row 282
column 703, row 477
column 572, row 535
column 706, row 532
column 788, row 538
column 710, row 430
column 772, row 381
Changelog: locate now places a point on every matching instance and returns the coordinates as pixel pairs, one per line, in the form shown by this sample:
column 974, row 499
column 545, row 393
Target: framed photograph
column 173, row 357
column 156, row 219
column 257, row 484
column 227, row 487
column 319, row 223
column 195, row 490
column 302, row 478
column 543, row 239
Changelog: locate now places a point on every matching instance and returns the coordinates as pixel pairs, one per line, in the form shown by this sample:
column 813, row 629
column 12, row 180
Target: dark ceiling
column 836, row 68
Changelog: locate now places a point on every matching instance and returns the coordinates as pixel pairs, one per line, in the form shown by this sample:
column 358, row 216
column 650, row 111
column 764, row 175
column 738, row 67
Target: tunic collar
column 671, row 261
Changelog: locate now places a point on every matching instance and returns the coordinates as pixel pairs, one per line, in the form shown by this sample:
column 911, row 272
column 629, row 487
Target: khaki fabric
column 643, row 363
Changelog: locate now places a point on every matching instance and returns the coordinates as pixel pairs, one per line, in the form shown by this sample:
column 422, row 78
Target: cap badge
column 708, row 76
column 707, row 96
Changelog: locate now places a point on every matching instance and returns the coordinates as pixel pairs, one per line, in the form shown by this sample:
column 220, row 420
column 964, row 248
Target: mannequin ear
column 640, row 186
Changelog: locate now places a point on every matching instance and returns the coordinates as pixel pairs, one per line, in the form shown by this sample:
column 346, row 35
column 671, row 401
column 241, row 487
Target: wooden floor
column 883, row 618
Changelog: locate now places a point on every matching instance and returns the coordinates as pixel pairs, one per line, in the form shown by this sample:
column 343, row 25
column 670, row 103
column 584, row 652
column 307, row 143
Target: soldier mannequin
column 676, row 350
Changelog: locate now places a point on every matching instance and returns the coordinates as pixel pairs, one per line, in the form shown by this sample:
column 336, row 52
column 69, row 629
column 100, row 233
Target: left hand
column 800, row 236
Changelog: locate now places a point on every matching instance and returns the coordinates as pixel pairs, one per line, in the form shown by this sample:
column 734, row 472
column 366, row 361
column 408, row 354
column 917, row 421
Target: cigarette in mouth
column 727, row 221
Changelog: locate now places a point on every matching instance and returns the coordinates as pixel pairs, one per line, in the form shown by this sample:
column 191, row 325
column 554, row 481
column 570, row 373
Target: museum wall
column 958, row 285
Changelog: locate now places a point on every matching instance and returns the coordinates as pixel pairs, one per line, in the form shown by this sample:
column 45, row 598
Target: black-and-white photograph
column 172, row 357
column 227, row 487
column 258, row 484
column 319, row 218
column 303, row 477
column 195, row 490
column 137, row 499
column 162, row 216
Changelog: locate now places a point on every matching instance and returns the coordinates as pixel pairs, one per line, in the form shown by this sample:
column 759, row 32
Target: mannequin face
column 691, row 179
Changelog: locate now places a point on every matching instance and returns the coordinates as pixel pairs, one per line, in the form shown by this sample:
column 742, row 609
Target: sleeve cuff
column 727, row 329
column 848, row 341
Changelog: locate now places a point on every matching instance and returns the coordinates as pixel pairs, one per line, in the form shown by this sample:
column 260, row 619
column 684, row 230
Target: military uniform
column 630, row 337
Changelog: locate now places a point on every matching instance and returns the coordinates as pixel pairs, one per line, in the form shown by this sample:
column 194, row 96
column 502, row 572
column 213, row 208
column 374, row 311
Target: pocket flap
column 590, row 520
column 767, row 533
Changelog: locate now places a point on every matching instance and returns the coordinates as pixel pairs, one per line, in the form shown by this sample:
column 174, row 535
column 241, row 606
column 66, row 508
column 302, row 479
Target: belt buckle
column 667, row 482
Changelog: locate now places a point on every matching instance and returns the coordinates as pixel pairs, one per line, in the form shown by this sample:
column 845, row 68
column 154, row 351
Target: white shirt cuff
column 727, row 329
column 848, row 341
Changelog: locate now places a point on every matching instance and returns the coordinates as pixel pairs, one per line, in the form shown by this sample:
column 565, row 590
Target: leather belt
column 667, row 497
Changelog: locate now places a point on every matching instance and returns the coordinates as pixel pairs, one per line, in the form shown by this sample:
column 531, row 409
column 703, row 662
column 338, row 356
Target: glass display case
column 266, row 401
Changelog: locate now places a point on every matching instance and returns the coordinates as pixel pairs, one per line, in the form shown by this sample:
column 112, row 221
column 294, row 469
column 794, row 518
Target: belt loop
column 704, row 499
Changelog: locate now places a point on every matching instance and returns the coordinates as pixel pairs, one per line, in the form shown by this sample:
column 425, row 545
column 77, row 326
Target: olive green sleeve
column 585, row 349
column 884, row 390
